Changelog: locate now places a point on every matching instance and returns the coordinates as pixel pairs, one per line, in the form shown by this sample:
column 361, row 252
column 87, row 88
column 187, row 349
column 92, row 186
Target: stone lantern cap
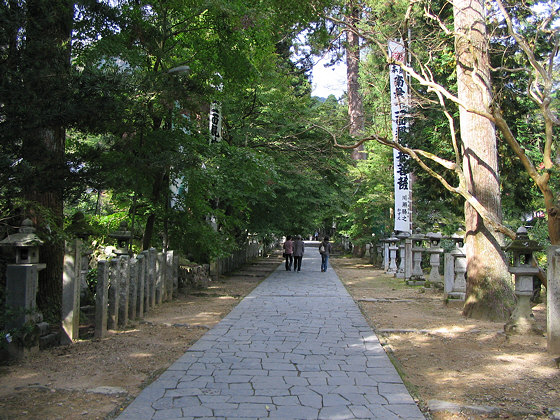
column 418, row 235
column 123, row 236
column 79, row 227
column 392, row 238
column 522, row 244
column 417, row 238
column 403, row 235
column 123, row 233
column 434, row 236
column 25, row 238
column 435, row 239
column 458, row 238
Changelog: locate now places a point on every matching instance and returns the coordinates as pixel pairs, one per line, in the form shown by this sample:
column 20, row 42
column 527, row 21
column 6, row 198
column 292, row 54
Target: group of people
column 293, row 252
column 295, row 248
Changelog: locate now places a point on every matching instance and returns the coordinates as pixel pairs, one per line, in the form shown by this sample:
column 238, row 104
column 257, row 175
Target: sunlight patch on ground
column 453, row 330
column 140, row 355
column 207, row 314
column 27, row 376
column 125, row 332
column 529, row 360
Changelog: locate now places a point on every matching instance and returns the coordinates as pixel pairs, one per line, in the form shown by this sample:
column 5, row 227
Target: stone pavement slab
column 297, row 347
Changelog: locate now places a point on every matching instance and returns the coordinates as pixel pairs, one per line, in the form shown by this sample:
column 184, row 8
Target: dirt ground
column 460, row 368
column 470, row 365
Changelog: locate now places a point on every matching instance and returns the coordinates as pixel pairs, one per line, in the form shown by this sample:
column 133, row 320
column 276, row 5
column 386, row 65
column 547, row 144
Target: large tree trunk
column 489, row 293
column 355, row 106
column 46, row 65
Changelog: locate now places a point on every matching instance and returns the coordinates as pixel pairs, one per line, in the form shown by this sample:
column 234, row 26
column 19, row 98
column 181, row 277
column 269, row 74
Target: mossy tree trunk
column 489, row 293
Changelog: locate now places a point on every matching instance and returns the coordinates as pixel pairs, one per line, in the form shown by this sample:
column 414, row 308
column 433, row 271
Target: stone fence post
column 160, row 278
column 123, row 279
column 133, row 288
column 455, row 269
column 141, row 299
column 126, row 287
column 114, row 294
column 169, row 285
column 152, row 255
column 553, row 300
column 402, row 236
column 417, row 278
column 71, row 292
column 175, row 274
column 392, row 248
column 101, row 299
column 435, row 252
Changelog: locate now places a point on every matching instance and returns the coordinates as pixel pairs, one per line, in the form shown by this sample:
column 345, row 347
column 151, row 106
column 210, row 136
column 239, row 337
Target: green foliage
column 26, row 336
column 267, row 177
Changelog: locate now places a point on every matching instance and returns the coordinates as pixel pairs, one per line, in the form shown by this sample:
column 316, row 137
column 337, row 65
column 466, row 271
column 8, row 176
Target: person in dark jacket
column 299, row 249
column 325, row 248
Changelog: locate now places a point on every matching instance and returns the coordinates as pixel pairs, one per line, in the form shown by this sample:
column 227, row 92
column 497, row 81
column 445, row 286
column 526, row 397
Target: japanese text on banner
column 399, row 108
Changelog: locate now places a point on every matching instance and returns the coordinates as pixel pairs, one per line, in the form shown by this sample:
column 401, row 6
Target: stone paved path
column 297, row 347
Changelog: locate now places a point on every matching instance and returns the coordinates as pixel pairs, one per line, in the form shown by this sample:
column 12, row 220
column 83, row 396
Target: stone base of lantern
column 416, row 282
column 456, row 296
column 17, row 351
column 25, row 344
column 522, row 320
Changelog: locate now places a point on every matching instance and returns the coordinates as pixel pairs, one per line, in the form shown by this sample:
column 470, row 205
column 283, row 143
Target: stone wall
column 194, row 277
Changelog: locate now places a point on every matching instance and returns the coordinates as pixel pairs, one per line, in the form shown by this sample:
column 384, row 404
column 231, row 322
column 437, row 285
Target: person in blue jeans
column 325, row 248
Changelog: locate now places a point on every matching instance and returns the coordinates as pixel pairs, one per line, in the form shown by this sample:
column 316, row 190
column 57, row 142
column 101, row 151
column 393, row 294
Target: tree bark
column 45, row 66
column 355, row 105
column 489, row 293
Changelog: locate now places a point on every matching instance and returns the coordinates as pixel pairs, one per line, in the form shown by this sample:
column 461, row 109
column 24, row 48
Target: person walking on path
column 288, row 252
column 299, row 249
column 325, row 249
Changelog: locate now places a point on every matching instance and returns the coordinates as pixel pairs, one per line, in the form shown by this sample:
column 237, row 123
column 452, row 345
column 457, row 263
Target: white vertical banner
column 215, row 122
column 400, row 101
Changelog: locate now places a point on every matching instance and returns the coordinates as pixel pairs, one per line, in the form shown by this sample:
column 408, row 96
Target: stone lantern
column 385, row 253
column 455, row 281
column 123, row 237
column 392, row 241
column 22, row 278
column 379, row 257
column 435, row 252
column 371, row 249
column 403, row 236
column 523, row 270
column 26, row 243
column 417, row 277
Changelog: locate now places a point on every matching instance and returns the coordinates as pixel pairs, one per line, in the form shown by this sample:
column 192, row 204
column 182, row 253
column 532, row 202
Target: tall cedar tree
column 45, row 73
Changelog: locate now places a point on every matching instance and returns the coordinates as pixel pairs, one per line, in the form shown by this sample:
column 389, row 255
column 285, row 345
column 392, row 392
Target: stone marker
column 152, row 254
column 132, row 288
column 101, row 299
column 71, row 292
column 160, row 278
column 123, row 279
column 553, row 301
column 141, row 269
column 113, row 315
column 417, row 277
